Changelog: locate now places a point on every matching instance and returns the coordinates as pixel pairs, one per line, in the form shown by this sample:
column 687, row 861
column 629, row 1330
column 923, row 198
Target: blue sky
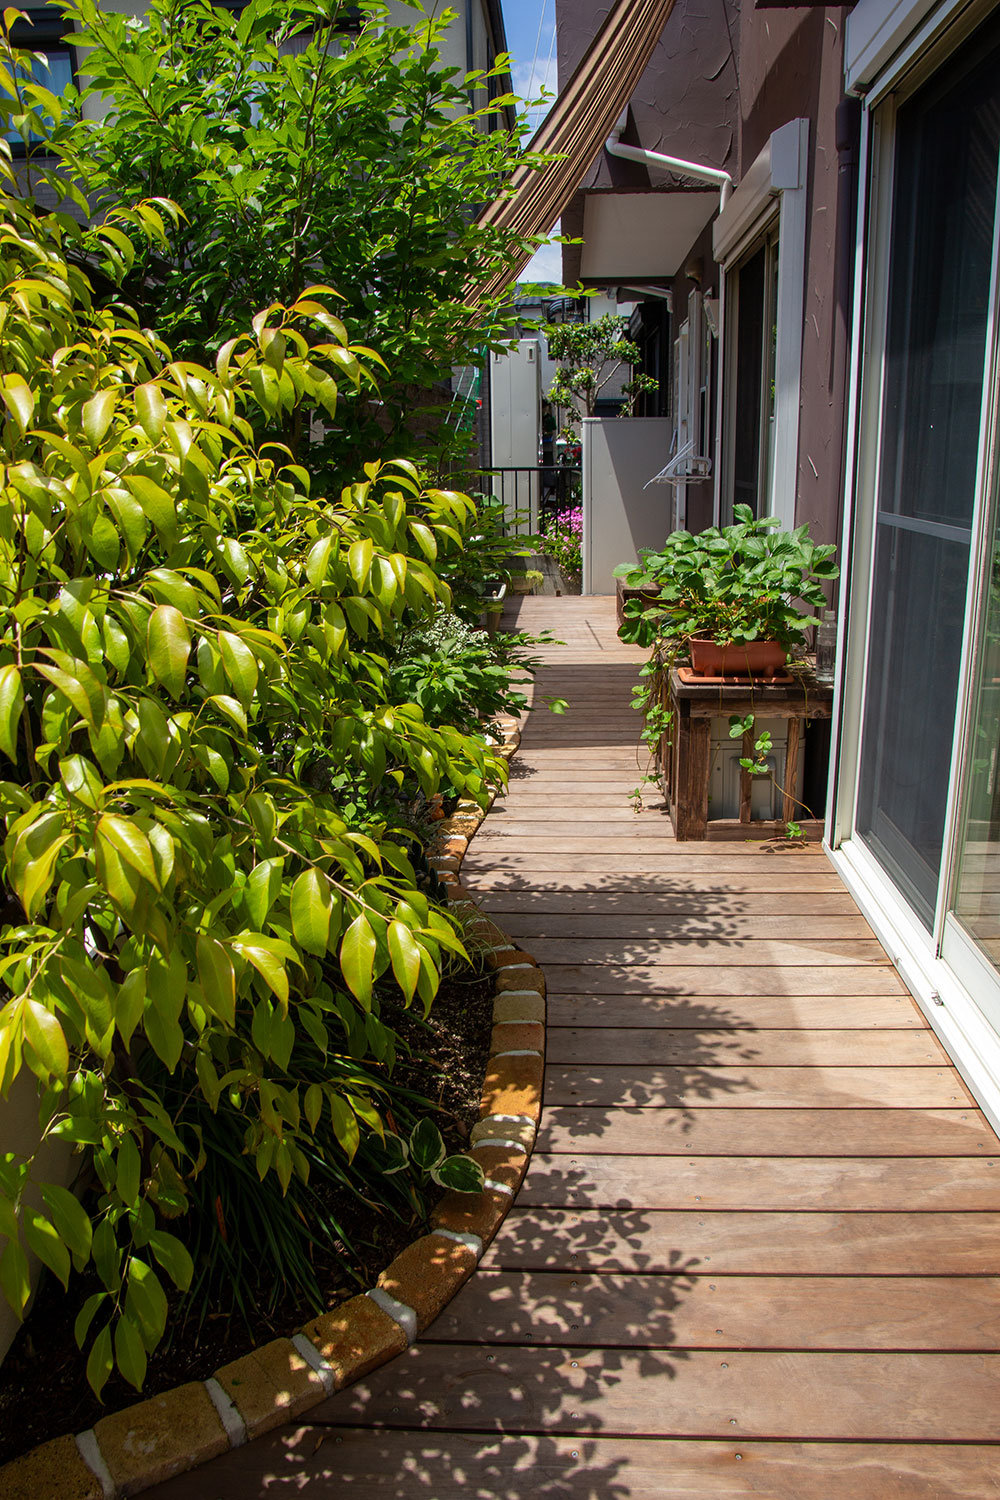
column 530, row 27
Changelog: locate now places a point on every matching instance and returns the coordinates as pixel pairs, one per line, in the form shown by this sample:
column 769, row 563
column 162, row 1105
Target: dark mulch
column 43, row 1389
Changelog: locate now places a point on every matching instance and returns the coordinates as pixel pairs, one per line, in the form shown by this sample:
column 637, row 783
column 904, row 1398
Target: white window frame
column 777, row 182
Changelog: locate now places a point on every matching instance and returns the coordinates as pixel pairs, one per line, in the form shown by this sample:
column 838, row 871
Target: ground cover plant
column 194, row 939
column 314, row 142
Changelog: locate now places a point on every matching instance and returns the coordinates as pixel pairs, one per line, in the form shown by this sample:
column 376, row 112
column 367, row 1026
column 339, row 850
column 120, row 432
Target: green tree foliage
column 185, row 629
column 300, row 150
column 591, row 355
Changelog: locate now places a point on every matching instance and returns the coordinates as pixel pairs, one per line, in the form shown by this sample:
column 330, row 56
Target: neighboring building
column 835, row 344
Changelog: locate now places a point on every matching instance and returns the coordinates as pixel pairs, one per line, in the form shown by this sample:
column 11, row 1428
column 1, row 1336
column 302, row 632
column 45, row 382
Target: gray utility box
column 765, row 791
column 620, row 454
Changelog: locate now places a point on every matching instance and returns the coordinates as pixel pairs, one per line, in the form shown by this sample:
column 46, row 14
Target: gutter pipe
column 715, row 175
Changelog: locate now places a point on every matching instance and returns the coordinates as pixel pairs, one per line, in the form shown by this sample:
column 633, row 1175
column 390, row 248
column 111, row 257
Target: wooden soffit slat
column 576, row 127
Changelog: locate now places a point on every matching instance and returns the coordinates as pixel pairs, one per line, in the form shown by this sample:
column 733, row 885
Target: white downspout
column 613, row 145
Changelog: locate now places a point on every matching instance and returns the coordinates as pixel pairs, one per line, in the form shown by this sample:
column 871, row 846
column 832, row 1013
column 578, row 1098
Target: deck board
column 777, row 1048
column 766, row 1132
column 757, row 1250
column 820, row 1012
column 684, row 1393
column 713, row 1083
column 749, row 1243
column 721, row 1312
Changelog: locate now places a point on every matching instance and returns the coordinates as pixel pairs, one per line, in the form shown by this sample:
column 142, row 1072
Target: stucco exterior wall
column 724, row 75
column 686, row 103
column 791, row 66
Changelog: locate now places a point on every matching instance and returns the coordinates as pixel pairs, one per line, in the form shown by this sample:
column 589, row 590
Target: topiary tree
column 591, row 355
column 184, row 912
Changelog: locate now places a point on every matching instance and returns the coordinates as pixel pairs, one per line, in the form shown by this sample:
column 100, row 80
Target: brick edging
column 153, row 1440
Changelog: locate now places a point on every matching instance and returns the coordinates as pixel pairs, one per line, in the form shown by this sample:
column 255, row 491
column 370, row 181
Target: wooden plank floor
column 757, row 1251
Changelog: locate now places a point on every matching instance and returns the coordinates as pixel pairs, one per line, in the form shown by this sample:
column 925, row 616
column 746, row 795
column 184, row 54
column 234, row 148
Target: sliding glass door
column 934, row 367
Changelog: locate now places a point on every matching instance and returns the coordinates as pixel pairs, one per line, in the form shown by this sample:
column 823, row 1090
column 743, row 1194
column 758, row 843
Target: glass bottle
column 826, row 646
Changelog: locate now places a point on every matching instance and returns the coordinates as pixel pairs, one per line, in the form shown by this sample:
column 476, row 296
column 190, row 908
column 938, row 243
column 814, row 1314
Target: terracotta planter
column 763, row 659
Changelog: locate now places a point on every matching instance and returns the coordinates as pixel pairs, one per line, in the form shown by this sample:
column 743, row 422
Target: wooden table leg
column 746, row 779
column 693, row 750
column 790, row 806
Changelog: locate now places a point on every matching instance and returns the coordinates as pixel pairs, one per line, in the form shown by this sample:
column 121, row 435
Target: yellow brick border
column 131, row 1450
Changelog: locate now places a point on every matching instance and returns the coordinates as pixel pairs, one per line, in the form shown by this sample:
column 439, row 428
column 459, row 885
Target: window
column 752, row 296
column 44, row 31
column 763, row 227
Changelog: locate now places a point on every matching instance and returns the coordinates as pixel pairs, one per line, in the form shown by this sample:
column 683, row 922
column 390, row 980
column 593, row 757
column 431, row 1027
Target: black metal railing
column 529, row 494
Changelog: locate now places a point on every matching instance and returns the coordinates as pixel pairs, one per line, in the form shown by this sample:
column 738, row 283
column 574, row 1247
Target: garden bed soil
column 43, row 1388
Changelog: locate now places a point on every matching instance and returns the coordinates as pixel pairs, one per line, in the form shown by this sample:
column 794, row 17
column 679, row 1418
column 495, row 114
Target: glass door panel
column 941, row 256
column 977, row 885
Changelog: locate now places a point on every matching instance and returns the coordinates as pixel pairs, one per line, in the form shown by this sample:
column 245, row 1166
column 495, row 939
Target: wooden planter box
column 685, row 754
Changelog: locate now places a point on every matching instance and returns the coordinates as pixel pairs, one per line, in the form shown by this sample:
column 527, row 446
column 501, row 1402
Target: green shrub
column 185, row 626
column 455, row 674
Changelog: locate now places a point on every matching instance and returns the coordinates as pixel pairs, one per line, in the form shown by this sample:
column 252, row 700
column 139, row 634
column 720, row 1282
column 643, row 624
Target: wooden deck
column 757, row 1252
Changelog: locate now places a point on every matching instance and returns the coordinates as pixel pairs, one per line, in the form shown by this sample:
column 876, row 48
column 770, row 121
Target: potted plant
column 730, row 599
column 734, row 591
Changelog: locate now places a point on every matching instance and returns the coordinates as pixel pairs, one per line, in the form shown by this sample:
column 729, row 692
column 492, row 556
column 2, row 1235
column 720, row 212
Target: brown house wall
column 723, row 77
column 685, row 104
column 791, row 66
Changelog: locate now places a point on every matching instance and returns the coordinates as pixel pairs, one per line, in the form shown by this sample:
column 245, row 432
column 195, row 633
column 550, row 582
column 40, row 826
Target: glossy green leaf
column 345, row 1125
column 130, row 1351
column 405, row 957
column 100, row 1361
column 269, row 965
column 44, row 1239
column 311, row 910
column 97, row 415
column 127, row 1171
column 14, row 1280
column 357, row 957
column 146, row 1302
column 11, row 709
column 70, row 1218
column 217, row 978
column 173, row 1257
column 44, row 1035
column 131, row 843
column 86, row 1315
column 151, row 410
column 261, row 890
column 80, row 687
column 168, row 643
column 241, row 666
